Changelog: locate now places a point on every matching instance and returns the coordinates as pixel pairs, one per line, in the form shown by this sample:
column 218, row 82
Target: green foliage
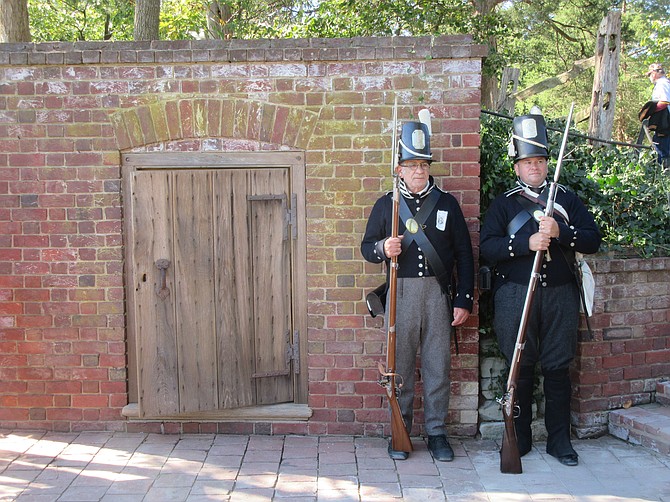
column 351, row 18
column 497, row 171
column 73, row 20
column 631, row 202
column 254, row 19
column 626, row 190
column 183, row 19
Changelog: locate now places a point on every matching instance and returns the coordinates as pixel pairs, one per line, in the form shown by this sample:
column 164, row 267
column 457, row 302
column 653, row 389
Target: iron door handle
column 162, row 290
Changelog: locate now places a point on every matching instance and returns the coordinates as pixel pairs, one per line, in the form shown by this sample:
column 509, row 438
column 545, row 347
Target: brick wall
column 67, row 111
column 619, row 364
column 629, row 350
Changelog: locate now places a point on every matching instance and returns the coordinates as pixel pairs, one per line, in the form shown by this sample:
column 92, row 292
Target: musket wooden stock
column 510, row 459
column 400, row 440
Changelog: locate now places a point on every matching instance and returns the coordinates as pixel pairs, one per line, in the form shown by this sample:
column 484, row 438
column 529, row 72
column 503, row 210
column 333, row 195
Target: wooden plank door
column 212, row 269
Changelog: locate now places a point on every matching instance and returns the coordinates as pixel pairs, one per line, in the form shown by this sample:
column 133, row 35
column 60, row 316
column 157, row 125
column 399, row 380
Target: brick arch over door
column 273, row 126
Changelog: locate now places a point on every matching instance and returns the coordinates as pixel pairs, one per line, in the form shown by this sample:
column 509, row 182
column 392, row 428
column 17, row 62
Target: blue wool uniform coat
column 510, row 253
column 449, row 236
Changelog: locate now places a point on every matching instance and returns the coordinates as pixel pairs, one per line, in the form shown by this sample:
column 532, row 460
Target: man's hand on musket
column 541, row 240
column 392, row 246
column 460, row 316
column 549, row 226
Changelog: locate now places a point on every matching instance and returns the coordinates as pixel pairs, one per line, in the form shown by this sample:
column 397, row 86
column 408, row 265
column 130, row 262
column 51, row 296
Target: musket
column 400, row 440
column 510, row 459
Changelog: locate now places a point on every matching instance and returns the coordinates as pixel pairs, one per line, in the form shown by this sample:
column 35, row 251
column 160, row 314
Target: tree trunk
column 14, row 26
column 218, row 20
column 147, row 18
column 509, row 82
column 489, row 91
column 606, row 79
column 489, row 97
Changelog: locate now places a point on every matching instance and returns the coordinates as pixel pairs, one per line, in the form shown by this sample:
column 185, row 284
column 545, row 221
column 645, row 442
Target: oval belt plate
column 412, row 226
column 537, row 214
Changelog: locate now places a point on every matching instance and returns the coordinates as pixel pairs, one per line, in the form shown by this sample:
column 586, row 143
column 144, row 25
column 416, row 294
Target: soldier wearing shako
column 514, row 228
column 433, row 241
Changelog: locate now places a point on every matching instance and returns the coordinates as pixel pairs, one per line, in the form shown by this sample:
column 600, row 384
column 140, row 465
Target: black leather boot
column 557, row 393
column 524, row 400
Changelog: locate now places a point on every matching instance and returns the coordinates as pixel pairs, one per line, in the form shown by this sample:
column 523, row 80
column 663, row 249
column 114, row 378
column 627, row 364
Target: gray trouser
column 551, row 332
column 423, row 321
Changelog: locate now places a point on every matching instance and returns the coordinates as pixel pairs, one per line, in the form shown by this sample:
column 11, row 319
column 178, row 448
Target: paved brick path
column 120, row 467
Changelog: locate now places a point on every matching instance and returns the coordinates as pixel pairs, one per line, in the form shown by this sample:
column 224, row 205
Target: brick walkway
column 121, row 467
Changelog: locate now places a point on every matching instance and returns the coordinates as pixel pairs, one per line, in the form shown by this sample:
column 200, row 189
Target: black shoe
column 396, row 454
column 570, row 460
column 440, row 448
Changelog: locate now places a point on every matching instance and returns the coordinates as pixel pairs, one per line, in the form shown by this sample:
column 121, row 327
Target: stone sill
column 288, row 412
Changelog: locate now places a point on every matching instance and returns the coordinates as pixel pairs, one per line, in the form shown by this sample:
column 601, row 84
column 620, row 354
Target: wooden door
column 212, row 272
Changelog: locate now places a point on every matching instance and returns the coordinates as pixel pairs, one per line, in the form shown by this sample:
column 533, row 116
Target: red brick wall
column 67, row 111
column 629, row 350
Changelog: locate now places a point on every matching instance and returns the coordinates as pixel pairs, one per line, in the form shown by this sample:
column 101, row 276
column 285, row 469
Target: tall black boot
column 557, row 393
column 524, row 400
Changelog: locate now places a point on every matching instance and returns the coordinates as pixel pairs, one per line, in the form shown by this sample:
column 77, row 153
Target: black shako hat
column 529, row 137
column 414, row 141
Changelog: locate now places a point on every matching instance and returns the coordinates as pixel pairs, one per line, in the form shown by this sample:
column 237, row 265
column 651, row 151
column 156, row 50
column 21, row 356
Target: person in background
column 433, row 239
column 661, row 115
column 515, row 228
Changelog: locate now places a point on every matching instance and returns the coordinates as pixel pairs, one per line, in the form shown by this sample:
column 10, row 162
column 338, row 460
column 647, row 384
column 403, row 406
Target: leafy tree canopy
column 72, row 20
column 555, row 34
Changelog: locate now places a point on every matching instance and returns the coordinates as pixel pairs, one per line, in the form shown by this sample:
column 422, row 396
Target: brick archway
column 272, row 126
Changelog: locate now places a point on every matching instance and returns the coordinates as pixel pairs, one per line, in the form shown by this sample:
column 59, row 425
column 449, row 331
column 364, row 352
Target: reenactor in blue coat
column 514, row 229
column 433, row 242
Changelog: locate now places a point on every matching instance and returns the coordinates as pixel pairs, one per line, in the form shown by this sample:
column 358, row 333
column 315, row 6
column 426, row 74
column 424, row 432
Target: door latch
column 162, row 290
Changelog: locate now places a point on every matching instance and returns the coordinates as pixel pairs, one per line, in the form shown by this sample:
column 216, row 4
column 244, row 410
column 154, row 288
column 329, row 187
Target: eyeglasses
column 413, row 167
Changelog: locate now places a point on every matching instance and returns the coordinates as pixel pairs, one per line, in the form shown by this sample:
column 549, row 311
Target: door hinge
column 291, row 217
column 295, row 352
column 292, row 354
